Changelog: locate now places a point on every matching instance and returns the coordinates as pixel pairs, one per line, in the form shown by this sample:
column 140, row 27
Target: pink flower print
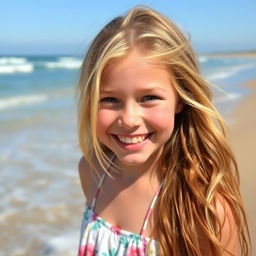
column 135, row 251
column 86, row 250
column 116, row 230
column 94, row 216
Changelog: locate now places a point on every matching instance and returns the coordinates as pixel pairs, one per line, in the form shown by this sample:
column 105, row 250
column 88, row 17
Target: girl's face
column 136, row 109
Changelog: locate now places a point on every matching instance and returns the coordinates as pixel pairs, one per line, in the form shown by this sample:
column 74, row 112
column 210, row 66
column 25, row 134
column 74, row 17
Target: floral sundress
column 100, row 238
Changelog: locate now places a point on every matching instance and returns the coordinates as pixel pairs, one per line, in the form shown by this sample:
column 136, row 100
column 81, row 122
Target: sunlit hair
column 197, row 162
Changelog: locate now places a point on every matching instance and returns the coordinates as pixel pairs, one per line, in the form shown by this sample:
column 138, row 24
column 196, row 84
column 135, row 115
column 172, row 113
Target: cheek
column 162, row 119
column 104, row 120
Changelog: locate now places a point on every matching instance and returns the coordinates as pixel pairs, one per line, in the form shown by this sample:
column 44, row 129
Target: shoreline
column 249, row 55
column 242, row 137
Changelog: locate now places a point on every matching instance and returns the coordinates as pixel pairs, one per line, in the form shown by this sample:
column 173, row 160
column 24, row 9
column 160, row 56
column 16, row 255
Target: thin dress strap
column 145, row 222
column 98, row 191
column 99, row 186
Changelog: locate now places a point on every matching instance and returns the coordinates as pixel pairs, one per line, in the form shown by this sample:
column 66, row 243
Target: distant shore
column 241, row 54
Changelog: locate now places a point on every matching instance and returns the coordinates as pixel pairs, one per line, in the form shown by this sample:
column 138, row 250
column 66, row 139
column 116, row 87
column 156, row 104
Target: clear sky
column 66, row 26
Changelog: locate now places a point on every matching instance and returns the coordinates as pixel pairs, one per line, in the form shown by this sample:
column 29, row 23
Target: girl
column 167, row 180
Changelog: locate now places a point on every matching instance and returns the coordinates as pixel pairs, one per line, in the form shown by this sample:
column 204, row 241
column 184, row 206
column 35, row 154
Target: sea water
column 41, row 200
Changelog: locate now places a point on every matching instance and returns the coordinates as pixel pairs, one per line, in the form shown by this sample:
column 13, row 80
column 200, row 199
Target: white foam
column 227, row 97
column 203, row 59
column 18, row 194
column 12, row 60
column 10, row 69
column 21, row 100
column 67, row 244
column 10, row 65
column 220, row 75
column 226, row 72
column 65, row 62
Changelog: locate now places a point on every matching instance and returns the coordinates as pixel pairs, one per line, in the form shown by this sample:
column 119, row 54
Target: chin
column 132, row 160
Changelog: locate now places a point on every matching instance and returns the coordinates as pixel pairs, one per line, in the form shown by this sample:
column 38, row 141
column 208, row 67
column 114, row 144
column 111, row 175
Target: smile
column 132, row 139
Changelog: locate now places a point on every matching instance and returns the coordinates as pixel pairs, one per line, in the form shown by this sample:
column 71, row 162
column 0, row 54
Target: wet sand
column 242, row 135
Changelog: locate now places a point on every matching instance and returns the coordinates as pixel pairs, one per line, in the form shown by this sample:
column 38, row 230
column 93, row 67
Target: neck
column 129, row 174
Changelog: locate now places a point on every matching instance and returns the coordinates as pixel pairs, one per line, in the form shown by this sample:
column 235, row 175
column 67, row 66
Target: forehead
column 134, row 70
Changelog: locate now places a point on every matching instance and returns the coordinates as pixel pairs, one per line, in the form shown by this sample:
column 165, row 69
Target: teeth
column 133, row 140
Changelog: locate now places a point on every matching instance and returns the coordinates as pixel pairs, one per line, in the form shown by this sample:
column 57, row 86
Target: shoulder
column 83, row 166
column 84, row 169
column 88, row 178
column 228, row 230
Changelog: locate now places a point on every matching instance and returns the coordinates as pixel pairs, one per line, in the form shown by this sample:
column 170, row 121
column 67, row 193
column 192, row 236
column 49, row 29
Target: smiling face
column 137, row 108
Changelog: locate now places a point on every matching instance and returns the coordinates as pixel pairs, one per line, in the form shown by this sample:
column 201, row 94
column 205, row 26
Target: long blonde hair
column 197, row 160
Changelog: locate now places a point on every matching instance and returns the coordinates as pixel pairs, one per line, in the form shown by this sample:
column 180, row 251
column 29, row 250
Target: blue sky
column 65, row 27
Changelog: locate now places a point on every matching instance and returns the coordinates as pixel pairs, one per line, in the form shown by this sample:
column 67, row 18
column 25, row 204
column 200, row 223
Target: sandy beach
column 250, row 55
column 243, row 140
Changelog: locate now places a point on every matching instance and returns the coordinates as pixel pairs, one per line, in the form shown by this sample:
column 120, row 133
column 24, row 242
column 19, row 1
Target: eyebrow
column 142, row 90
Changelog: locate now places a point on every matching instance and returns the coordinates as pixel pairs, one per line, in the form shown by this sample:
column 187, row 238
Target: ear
column 179, row 107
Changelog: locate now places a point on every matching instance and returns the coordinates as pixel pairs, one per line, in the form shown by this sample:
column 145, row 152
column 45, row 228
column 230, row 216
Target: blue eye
column 149, row 98
column 109, row 100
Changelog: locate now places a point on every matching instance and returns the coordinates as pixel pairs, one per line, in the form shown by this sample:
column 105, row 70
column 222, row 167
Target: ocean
column 41, row 200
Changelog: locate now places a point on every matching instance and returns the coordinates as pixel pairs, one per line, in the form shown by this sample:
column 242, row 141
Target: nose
column 130, row 116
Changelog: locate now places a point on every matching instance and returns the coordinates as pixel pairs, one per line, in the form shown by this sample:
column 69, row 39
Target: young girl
column 166, row 180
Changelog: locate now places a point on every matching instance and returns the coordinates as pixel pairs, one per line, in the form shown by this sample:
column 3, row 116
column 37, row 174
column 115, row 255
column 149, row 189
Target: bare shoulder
column 229, row 237
column 88, row 179
column 83, row 166
column 84, row 174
